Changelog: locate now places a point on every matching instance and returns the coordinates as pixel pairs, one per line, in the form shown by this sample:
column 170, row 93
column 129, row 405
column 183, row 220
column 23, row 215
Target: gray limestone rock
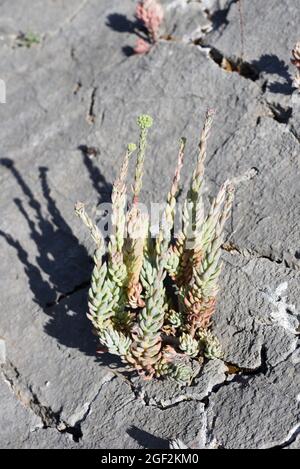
column 2, row 351
column 260, row 412
column 295, row 443
column 243, row 321
column 166, row 393
column 267, row 206
column 72, row 103
column 60, row 365
column 130, row 423
column 184, row 20
column 16, row 421
column 49, row 438
column 267, row 51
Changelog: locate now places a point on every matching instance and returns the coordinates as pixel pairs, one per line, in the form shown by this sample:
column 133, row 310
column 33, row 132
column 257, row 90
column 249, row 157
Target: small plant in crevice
column 296, row 61
column 152, row 299
column 150, row 13
column 27, row 39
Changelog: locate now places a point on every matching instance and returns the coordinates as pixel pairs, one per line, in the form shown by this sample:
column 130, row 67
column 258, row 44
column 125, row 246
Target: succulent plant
column 151, row 300
column 151, row 14
column 296, row 61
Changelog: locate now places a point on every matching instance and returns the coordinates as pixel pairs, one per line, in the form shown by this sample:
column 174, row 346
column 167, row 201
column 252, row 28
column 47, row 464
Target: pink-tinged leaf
column 142, row 47
column 151, row 13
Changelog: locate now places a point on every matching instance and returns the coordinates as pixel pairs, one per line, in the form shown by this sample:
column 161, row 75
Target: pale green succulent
column 149, row 293
column 189, row 345
column 210, row 345
column 182, row 373
column 175, row 318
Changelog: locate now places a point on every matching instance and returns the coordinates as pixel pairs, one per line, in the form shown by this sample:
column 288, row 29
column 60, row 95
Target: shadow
column 58, row 266
column 101, row 186
column 128, row 51
column 282, row 114
column 271, row 64
column 147, row 440
column 219, row 17
column 122, row 24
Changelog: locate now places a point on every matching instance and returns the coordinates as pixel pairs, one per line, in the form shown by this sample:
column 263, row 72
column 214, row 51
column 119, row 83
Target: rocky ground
column 82, row 87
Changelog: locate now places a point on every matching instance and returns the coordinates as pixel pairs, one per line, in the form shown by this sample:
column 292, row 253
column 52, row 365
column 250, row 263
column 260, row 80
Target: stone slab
column 81, row 87
column 16, row 422
column 260, row 413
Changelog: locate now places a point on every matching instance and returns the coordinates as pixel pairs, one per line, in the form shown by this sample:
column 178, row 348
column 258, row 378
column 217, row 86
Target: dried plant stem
column 168, row 218
column 242, row 28
column 118, row 207
column 144, row 122
column 95, row 233
column 137, row 225
column 198, row 174
column 193, row 212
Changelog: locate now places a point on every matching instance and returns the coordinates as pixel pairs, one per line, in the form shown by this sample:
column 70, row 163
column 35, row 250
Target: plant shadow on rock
column 147, row 440
column 218, row 18
column 101, row 186
column 271, row 64
column 60, row 275
column 122, row 24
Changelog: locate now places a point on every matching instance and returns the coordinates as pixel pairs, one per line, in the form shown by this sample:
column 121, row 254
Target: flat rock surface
column 80, row 87
column 271, row 398
column 259, row 43
column 17, row 422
